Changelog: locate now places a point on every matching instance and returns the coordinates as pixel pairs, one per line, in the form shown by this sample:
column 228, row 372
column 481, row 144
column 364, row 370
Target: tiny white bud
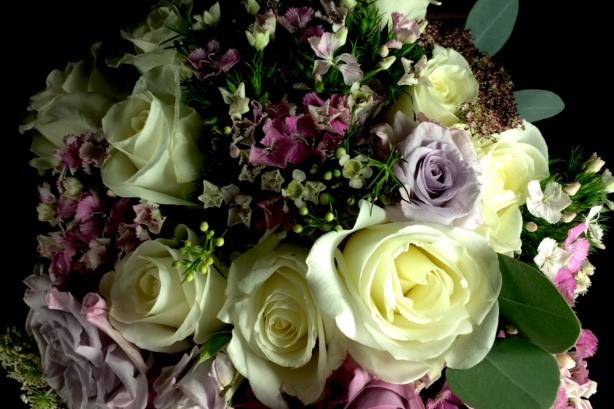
column 572, row 188
column 531, row 227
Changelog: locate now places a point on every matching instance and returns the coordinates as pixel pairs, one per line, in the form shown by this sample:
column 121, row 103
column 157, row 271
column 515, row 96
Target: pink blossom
column 578, row 247
column 296, row 18
column 284, row 142
column 127, row 238
column 69, row 154
column 96, row 254
column 66, row 208
column 148, row 214
column 208, row 62
column 587, row 344
column 273, row 210
column 45, row 195
column 83, row 152
column 333, row 115
column 88, row 207
column 566, row 283
column 405, row 30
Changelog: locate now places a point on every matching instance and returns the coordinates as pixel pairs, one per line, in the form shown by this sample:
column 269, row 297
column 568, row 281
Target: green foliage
column 213, row 346
column 531, row 303
column 491, row 23
column 514, row 375
column 21, row 361
column 536, row 104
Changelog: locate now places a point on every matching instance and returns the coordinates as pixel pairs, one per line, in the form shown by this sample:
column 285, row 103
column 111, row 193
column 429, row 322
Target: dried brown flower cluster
column 495, row 110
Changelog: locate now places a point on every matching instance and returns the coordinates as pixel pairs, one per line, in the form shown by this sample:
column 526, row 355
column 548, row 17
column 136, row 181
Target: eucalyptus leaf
column 537, row 104
column 492, row 23
column 514, row 375
column 213, row 346
column 531, row 303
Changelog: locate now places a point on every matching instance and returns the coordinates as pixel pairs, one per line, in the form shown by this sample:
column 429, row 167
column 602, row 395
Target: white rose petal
column 281, row 342
column 517, row 157
column 152, row 307
column 154, row 139
column 411, row 298
column 446, row 84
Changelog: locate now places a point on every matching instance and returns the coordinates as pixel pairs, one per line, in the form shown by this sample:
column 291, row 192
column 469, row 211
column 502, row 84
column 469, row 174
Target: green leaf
column 492, row 23
column 514, row 375
column 213, row 346
column 537, row 104
column 531, row 303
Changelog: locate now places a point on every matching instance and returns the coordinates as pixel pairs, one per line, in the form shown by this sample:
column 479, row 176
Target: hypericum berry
column 303, row 211
column 329, row 217
column 204, row 227
column 298, row 229
column 219, row 242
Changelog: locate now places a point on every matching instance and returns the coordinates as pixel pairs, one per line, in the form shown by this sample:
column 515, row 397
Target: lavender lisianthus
column 186, row 386
column 440, row 184
column 82, row 363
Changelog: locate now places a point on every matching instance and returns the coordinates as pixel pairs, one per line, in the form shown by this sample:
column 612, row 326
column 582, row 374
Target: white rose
column 508, row 165
column 152, row 40
column 73, row 103
column 447, row 83
column 155, row 155
column 413, row 298
column 281, row 342
column 413, row 9
column 154, row 308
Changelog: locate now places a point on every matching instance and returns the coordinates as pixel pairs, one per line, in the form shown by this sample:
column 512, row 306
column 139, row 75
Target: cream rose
column 152, row 40
column 281, row 342
column 152, row 307
column 155, row 155
column 412, row 298
column 413, row 9
column 73, row 103
column 447, row 83
column 508, row 165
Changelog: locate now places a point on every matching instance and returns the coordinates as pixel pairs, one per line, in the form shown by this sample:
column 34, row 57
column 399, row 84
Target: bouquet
column 321, row 204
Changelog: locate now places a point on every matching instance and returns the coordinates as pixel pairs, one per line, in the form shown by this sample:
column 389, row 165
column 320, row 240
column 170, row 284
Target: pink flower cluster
column 90, row 228
column 578, row 247
column 576, row 387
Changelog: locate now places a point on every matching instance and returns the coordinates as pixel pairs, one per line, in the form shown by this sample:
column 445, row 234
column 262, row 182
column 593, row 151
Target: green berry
column 219, row 242
column 329, row 217
column 298, row 229
column 328, row 176
column 326, row 199
column 303, row 211
column 341, row 152
column 337, row 173
column 204, row 227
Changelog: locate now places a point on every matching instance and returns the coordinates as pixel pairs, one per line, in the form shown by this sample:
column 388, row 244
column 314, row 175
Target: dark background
column 561, row 46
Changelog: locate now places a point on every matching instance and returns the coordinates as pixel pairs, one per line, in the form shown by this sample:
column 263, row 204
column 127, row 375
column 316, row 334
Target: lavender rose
column 82, row 363
column 184, row 386
column 351, row 387
column 439, row 183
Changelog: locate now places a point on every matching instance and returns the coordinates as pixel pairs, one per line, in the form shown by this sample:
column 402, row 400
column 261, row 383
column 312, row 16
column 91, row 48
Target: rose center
column 137, row 123
column 148, row 287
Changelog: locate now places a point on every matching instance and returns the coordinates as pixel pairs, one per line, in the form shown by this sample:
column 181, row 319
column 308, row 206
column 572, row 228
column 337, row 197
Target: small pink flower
column 149, row 215
column 88, row 207
column 333, row 115
column 45, row 194
column 587, row 345
column 284, row 143
column 296, row 18
column 405, row 30
column 578, row 246
column 273, row 210
column 566, row 283
column 96, row 255
column 207, row 62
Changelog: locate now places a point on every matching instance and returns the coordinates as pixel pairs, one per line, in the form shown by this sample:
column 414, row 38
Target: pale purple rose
column 185, row 386
column 440, row 184
column 351, row 387
column 83, row 364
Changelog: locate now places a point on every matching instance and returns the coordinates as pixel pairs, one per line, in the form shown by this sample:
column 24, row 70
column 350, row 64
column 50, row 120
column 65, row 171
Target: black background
column 561, row 46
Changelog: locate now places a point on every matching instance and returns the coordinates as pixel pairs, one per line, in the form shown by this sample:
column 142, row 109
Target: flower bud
column 594, row 164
